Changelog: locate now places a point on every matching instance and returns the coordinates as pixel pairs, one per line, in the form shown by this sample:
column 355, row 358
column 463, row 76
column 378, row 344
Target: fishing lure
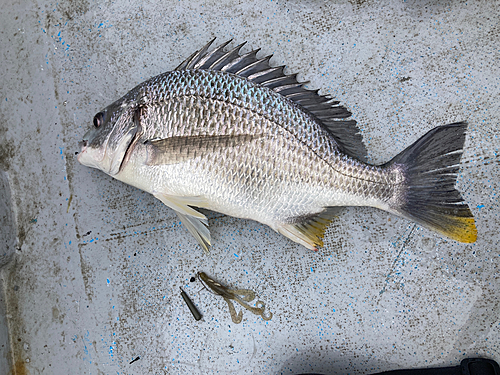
column 242, row 296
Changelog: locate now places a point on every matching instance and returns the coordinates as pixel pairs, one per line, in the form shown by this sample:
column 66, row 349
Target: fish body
column 230, row 133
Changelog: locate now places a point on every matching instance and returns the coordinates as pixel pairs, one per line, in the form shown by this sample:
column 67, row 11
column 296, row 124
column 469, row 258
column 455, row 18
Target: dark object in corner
column 470, row 366
column 191, row 305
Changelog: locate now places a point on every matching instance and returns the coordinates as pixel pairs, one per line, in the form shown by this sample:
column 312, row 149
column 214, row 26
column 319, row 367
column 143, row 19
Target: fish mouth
column 83, row 147
column 91, row 156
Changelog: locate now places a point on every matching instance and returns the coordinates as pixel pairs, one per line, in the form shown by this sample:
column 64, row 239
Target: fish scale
column 232, row 134
column 234, row 90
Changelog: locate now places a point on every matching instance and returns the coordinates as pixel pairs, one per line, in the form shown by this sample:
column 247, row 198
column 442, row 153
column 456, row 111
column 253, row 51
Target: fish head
column 105, row 145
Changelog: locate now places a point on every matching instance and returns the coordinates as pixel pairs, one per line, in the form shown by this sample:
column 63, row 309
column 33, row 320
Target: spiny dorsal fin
column 191, row 61
column 226, row 58
column 326, row 110
column 210, row 57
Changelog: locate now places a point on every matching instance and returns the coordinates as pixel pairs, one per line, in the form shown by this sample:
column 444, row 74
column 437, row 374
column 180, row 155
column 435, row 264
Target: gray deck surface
column 95, row 280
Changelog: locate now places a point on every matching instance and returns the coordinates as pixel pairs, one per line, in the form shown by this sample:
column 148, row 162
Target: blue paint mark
column 333, row 310
column 480, row 206
column 86, row 341
column 236, row 255
column 108, row 283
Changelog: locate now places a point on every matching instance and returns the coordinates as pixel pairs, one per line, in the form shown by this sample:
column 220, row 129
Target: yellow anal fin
column 309, row 230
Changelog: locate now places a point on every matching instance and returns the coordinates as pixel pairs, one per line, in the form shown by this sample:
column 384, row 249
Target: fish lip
column 83, row 147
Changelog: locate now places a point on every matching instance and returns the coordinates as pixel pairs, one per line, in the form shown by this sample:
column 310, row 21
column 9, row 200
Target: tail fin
column 431, row 165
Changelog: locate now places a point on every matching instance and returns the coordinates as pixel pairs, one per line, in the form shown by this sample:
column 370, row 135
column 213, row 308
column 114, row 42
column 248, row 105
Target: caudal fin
column 430, row 166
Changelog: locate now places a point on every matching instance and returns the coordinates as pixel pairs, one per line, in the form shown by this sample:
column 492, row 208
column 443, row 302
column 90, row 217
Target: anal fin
column 309, row 230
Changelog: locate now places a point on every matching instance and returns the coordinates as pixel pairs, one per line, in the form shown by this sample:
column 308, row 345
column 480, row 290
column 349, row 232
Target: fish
column 228, row 132
column 242, row 296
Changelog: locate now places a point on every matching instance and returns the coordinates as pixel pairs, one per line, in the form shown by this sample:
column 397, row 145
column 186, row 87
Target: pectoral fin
column 195, row 222
column 175, row 150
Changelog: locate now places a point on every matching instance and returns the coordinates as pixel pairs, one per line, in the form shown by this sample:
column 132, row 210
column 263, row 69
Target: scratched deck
column 95, row 282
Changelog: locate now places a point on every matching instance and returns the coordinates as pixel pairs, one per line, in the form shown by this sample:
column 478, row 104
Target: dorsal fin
column 329, row 114
column 190, row 62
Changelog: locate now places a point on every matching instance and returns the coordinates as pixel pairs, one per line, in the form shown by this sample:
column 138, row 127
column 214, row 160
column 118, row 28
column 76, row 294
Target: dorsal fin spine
column 191, row 61
column 289, row 86
column 261, row 76
column 242, row 71
column 226, row 58
column 205, row 60
column 252, row 55
column 292, row 86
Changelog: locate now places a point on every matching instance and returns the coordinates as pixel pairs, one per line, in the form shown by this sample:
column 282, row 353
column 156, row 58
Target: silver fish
column 230, row 133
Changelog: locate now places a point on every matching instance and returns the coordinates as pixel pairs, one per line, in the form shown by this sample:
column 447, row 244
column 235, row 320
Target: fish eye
column 98, row 119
